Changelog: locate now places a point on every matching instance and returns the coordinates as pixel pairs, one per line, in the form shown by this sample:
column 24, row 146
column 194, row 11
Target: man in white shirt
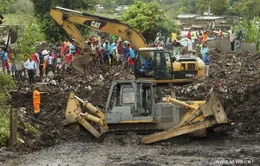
column 30, row 66
column 232, row 38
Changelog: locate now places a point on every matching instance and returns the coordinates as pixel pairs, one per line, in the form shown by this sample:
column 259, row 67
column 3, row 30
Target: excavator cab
column 159, row 66
column 153, row 63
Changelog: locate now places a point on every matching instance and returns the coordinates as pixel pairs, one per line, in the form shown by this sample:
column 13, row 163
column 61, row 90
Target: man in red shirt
column 189, row 35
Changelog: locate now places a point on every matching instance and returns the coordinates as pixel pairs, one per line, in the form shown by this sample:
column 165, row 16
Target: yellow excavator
column 165, row 68
column 133, row 107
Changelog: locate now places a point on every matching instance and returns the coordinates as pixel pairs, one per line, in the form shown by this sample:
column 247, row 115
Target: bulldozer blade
column 214, row 107
column 177, row 131
column 207, row 115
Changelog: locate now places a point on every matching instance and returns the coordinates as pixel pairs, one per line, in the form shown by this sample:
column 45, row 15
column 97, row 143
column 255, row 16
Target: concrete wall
column 225, row 46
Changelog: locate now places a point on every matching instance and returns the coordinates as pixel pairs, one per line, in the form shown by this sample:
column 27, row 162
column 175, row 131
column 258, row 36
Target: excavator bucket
column 81, row 62
column 207, row 115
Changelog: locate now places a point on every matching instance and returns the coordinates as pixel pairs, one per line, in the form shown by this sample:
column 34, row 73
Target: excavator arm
column 67, row 19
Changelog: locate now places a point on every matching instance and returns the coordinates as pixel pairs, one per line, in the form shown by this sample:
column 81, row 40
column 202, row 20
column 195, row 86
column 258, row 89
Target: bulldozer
column 165, row 68
column 133, row 106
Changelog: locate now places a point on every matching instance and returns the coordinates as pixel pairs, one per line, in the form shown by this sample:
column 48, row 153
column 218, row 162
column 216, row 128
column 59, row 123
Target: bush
column 4, row 126
column 6, row 82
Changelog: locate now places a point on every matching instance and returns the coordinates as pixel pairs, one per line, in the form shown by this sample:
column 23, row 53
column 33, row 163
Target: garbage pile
column 235, row 77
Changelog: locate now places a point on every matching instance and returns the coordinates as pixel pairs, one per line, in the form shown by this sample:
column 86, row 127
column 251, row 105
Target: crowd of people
column 105, row 52
column 55, row 59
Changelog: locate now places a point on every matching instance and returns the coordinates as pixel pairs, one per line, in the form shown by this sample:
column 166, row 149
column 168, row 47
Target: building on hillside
column 99, row 8
column 120, row 9
column 206, row 21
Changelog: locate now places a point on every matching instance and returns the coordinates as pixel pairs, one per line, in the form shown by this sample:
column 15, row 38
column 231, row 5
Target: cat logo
column 95, row 24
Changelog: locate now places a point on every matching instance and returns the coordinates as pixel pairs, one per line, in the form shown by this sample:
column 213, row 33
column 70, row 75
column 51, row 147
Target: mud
column 230, row 150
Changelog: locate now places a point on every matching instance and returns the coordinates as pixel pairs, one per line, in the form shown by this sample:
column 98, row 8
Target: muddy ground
column 234, row 77
column 228, row 150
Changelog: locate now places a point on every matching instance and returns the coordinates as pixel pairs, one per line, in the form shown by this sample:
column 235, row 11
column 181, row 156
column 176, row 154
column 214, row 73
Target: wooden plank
column 13, row 126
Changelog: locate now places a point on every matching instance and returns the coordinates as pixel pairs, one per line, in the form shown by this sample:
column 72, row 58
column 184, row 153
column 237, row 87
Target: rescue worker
column 36, row 102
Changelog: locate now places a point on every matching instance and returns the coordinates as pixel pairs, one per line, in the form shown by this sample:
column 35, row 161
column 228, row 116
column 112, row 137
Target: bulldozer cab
column 134, row 97
column 154, row 63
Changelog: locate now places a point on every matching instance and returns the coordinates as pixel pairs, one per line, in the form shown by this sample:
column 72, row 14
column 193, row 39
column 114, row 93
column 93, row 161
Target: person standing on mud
column 232, row 38
column 206, row 61
column 31, row 68
column 37, row 101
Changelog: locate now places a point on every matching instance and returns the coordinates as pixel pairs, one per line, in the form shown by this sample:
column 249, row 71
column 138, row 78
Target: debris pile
column 235, row 77
column 93, row 87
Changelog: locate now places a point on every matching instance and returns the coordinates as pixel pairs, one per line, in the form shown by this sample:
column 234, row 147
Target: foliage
column 6, row 82
column 148, row 18
column 4, row 126
column 28, row 38
column 21, row 6
column 52, row 31
column 250, row 29
column 5, row 4
column 248, row 9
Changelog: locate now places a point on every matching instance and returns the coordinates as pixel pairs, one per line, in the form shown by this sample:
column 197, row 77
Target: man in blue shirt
column 126, row 52
column 4, row 57
column 111, row 47
column 204, row 50
column 206, row 60
column 148, row 64
column 72, row 49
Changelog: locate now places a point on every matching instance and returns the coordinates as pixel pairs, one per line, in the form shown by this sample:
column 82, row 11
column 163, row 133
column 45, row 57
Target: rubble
column 236, row 79
column 233, row 76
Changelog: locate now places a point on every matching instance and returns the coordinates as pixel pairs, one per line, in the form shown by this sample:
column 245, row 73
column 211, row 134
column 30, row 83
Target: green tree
column 218, row 7
column 52, row 31
column 148, row 18
column 251, row 31
column 5, row 4
column 28, row 38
